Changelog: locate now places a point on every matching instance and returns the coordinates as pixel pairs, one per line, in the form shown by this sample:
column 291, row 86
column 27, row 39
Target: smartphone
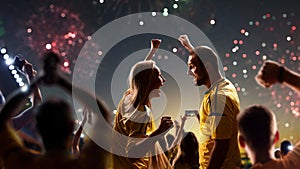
column 19, row 62
column 191, row 113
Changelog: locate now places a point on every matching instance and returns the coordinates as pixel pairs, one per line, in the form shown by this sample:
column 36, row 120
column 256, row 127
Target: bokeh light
column 65, row 36
column 272, row 37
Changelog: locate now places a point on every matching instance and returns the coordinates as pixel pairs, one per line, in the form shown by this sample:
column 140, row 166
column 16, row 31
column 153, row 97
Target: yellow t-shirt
column 218, row 112
column 130, row 125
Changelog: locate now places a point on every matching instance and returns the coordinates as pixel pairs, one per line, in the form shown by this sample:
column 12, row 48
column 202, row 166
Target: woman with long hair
column 188, row 154
column 135, row 133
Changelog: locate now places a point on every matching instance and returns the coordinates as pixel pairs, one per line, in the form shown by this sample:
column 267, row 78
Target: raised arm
column 2, row 100
column 31, row 73
column 155, row 43
column 27, row 115
column 76, row 138
column 15, row 103
column 272, row 72
column 179, row 132
column 184, row 40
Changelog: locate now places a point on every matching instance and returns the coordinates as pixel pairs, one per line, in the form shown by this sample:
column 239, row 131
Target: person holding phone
column 55, row 124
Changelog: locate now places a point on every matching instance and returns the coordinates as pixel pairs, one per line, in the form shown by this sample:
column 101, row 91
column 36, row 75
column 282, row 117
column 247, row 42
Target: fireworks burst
column 270, row 37
column 57, row 29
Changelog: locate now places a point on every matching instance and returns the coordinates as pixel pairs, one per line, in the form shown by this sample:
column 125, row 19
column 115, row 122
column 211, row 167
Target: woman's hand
column 166, row 124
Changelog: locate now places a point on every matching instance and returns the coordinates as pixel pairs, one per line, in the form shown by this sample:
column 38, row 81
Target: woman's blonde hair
column 140, row 80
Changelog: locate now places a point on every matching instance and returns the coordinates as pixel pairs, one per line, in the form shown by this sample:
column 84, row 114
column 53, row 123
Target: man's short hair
column 54, row 122
column 257, row 125
column 208, row 55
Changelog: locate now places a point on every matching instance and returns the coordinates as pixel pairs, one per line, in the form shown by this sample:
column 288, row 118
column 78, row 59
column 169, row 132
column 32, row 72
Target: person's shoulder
column 228, row 89
column 272, row 164
column 226, row 83
column 14, row 153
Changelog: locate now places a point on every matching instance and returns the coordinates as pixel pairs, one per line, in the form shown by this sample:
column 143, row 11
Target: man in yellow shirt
column 218, row 111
